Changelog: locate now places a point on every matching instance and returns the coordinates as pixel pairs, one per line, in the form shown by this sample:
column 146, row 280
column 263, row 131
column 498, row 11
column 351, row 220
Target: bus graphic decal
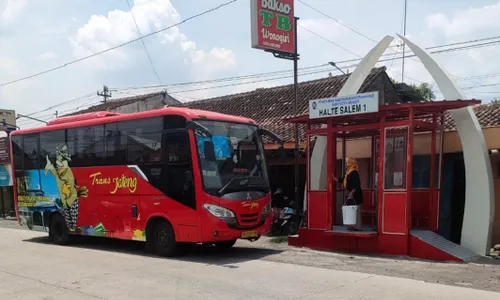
column 69, row 192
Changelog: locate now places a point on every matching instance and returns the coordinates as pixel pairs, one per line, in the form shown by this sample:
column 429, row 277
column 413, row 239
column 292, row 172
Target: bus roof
column 103, row 117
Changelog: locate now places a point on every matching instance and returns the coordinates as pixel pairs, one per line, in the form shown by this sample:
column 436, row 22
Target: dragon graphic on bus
column 69, row 192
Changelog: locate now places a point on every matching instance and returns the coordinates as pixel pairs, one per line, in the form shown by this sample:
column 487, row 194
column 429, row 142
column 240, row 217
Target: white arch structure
column 479, row 196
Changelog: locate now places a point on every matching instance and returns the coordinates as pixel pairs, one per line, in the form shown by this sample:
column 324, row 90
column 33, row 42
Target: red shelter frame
column 399, row 208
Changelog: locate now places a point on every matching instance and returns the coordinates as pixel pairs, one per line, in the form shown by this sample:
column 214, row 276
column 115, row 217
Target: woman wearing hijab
column 352, row 184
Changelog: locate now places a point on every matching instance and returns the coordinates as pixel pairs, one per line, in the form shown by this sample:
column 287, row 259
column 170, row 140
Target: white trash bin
column 349, row 214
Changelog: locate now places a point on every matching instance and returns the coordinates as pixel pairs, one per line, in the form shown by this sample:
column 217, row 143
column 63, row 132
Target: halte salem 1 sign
column 273, row 25
column 343, row 106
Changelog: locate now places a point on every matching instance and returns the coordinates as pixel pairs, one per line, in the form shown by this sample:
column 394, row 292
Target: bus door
column 179, row 184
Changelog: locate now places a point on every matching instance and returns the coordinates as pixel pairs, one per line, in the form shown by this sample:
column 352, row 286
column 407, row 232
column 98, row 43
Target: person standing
column 352, row 184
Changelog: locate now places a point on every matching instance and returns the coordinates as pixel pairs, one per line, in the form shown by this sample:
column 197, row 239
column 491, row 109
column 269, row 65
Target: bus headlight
column 218, row 211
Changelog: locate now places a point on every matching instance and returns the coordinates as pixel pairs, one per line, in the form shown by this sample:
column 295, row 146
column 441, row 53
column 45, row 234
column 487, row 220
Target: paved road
column 33, row 269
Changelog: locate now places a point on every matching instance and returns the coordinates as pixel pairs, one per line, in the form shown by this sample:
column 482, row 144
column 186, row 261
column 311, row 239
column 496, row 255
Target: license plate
column 249, row 234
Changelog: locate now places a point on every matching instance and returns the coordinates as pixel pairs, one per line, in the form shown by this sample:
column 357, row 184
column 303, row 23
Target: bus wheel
column 225, row 244
column 58, row 231
column 164, row 239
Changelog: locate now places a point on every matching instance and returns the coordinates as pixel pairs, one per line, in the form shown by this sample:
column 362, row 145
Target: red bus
column 165, row 177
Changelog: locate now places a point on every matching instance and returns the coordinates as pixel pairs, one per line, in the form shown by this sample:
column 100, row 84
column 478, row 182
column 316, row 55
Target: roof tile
column 269, row 106
column 110, row 105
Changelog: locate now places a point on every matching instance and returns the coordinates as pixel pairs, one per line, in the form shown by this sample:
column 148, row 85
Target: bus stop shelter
column 397, row 218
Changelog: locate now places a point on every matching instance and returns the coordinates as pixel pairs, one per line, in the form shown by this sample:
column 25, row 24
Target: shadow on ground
column 205, row 254
column 486, row 260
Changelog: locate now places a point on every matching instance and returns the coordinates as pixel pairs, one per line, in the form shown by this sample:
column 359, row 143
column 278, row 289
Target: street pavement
column 31, row 268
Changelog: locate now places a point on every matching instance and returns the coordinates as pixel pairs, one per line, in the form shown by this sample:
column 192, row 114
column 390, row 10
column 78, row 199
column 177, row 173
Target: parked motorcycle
column 284, row 220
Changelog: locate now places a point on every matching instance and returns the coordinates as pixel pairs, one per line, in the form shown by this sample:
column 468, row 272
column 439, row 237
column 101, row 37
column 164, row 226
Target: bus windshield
column 232, row 160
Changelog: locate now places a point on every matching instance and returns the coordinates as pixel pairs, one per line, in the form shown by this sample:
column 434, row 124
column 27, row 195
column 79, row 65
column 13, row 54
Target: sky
column 39, row 35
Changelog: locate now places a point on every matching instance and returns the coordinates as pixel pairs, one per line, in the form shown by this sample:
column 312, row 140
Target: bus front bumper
column 225, row 231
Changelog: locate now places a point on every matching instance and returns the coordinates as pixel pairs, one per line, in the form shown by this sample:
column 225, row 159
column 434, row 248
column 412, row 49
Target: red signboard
column 273, row 25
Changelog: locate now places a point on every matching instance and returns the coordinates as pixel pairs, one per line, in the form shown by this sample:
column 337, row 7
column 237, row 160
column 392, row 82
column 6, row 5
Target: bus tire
column 225, row 244
column 58, row 230
column 164, row 242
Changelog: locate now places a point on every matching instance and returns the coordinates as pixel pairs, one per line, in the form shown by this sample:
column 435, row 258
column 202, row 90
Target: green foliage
column 423, row 90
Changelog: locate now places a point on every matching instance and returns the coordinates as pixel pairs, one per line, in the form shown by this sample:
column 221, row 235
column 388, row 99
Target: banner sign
column 5, row 175
column 4, row 150
column 343, row 106
column 7, row 120
column 273, row 25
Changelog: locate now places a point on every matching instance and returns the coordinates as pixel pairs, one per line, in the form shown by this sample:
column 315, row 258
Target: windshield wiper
column 230, row 182
column 249, row 183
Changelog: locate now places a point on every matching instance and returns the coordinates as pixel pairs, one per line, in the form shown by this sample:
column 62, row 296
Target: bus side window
column 86, row 146
column 180, row 182
column 141, row 140
column 31, row 152
column 50, row 141
column 17, row 149
column 115, row 152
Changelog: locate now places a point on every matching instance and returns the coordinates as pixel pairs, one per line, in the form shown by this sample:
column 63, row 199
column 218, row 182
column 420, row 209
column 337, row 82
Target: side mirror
column 209, row 151
column 272, row 135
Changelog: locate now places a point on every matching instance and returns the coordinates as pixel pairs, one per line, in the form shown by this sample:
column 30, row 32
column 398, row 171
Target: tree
column 423, row 90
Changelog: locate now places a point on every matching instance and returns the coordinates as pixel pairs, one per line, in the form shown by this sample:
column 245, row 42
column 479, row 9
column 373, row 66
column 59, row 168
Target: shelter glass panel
column 395, row 158
column 317, row 170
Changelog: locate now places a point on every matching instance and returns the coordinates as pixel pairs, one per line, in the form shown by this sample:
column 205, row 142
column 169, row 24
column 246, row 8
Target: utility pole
column 105, row 93
column 298, row 204
column 404, row 44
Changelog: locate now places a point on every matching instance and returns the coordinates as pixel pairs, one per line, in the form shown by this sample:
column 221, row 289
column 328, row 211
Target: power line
column 312, row 72
column 88, row 103
column 337, row 21
column 60, row 104
column 488, row 92
column 396, row 52
column 328, row 40
column 465, row 42
column 204, row 88
column 482, row 45
column 311, row 68
column 481, row 85
column 404, row 44
column 354, row 30
column 403, row 24
column 223, row 86
column 248, row 82
column 249, row 76
column 484, row 76
column 118, row 46
column 266, row 74
column 143, row 43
